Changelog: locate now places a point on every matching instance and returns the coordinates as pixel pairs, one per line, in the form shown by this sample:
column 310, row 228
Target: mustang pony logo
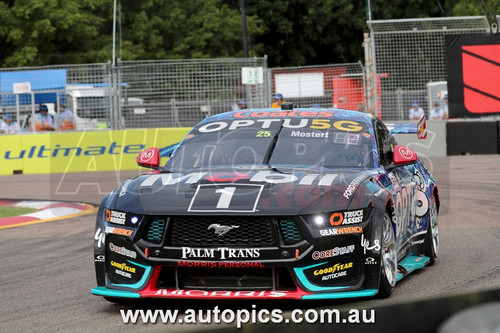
column 221, row 229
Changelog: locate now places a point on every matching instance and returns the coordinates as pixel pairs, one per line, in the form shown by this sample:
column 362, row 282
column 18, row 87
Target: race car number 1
column 226, row 197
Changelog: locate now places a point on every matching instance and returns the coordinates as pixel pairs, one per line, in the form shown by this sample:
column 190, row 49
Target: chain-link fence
column 87, row 90
column 339, row 85
column 173, row 93
column 409, row 56
column 405, row 61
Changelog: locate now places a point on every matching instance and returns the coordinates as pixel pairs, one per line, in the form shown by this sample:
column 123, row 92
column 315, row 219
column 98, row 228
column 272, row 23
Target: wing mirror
column 404, row 156
column 149, row 158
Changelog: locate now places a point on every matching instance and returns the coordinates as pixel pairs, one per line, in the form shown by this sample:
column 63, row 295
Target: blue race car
column 269, row 203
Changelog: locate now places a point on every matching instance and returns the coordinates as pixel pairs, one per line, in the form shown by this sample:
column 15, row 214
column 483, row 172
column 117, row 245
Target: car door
column 403, row 189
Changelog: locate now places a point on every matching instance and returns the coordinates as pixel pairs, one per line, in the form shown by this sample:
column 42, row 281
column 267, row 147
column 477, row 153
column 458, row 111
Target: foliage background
column 290, row 33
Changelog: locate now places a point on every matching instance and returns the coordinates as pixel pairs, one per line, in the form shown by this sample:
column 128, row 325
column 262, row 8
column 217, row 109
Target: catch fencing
column 407, row 60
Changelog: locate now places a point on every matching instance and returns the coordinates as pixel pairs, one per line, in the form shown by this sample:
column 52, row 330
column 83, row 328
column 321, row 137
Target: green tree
column 41, row 32
column 490, row 8
column 154, row 29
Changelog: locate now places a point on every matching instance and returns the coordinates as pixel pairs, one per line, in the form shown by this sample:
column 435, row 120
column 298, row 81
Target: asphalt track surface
column 46, row 270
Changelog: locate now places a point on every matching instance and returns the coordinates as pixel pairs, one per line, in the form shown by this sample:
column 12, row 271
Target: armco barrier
column 61, row 152
column 472, row 137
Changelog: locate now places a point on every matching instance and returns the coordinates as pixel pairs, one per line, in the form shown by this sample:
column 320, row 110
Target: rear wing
column 419, row 128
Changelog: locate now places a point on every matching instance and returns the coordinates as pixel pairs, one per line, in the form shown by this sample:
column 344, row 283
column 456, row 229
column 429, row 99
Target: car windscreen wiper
column 272, row 144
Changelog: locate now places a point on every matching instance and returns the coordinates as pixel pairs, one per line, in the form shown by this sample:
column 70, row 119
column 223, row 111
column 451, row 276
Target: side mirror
column 403, row 155
column 149, row 158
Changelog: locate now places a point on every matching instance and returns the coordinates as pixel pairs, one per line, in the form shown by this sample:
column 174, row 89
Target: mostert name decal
column 221, row 253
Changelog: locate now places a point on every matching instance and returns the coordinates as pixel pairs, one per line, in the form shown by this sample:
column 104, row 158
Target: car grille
column 256, row 231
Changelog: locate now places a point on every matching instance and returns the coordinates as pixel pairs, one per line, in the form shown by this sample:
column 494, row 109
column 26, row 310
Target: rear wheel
column 431, row 246
column 389, row 260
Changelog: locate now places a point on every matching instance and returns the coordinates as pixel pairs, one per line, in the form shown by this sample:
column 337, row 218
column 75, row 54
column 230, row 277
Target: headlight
column 123, row 218
column 339, row 218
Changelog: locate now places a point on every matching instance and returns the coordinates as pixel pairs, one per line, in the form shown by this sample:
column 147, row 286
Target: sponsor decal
column 349, row 217
column 352, row 186
column 201, row 293
column 99, row 237
column 260, row 177
column 113, row 216
column 370, row 261
column 220, row 264
column 341, row 231
column 147, row 155
column 301, row 134
column 122, row 273
column 336, row 219
column 337, row 251
column 333, row 269
column 221, row 253
column 333, row 276
column 123, row 189
column 43, row 151
column 406, row 153
column 221, row 230
column 119, row 231
column 342, row 125
column 99, row 258
column 365, row 244
column 122, row 250
column 122, row 266
column 280, row 114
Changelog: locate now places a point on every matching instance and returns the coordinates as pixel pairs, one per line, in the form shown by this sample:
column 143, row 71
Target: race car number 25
column 226, row 197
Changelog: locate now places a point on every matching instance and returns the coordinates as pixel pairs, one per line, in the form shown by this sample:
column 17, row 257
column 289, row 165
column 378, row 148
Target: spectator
column 445, row 107
column 436, row 113
column 242, row 104
column 416, row 112
column 43, row 121
column 66, row 119
column 278, row 100
column 9, row 126
column 361, row 107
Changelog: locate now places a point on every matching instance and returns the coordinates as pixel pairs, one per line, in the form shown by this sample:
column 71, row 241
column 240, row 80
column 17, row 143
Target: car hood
column 226, row 191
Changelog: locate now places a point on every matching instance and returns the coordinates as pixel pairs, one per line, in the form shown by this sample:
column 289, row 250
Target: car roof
column 330, row 113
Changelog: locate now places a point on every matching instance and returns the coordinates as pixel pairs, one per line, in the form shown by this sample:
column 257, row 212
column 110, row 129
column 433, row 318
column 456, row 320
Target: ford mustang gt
column 270, row 204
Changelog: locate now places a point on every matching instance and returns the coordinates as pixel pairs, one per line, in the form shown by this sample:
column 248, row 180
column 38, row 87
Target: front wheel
column 389, row 259
column 431, row 246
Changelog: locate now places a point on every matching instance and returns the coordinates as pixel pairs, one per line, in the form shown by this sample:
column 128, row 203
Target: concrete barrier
column 61, row 152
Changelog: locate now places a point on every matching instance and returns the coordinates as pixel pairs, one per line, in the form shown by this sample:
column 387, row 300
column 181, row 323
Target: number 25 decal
column 226, row 197
column 263, row 134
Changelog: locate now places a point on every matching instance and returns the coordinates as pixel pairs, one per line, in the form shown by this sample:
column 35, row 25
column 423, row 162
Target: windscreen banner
column 473, row 68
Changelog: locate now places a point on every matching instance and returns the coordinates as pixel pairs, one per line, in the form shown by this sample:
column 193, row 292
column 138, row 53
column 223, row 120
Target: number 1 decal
column 226, row 195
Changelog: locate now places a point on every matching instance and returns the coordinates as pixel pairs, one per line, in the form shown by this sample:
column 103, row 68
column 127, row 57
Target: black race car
column 269, row 203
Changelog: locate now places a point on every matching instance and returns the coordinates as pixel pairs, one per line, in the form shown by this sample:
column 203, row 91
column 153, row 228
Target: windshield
column 275, row 144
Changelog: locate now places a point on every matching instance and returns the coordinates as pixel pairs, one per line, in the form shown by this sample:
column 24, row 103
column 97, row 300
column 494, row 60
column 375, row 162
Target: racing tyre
column 388, row 258
column 431, row 247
